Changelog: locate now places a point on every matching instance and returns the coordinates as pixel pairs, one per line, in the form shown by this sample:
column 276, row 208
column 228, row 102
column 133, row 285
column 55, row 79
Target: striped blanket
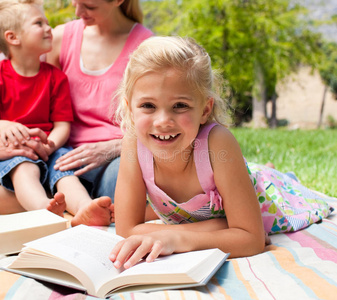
column 300, row 265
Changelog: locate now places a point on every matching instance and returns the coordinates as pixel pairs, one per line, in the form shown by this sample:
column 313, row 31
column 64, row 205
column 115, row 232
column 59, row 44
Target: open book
column 79, row 258
column 20, row 228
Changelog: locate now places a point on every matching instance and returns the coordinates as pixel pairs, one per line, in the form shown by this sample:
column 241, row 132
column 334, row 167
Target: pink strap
column 201, row 158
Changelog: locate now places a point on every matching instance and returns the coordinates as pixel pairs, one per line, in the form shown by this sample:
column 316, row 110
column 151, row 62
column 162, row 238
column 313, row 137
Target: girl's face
column 93, row 12
column 167, row 113
column 36, row 36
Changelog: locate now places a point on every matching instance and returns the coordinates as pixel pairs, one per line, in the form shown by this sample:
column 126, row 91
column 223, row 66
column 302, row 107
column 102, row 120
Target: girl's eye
column 181, row 105
column 147, row 105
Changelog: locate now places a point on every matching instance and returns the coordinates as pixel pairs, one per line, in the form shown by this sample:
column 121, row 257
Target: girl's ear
column 12, row 38
column 128, row 107
column 208, row 108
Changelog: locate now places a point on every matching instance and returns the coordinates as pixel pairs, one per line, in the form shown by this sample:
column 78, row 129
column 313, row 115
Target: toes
column 104, row 201
column 59, row 198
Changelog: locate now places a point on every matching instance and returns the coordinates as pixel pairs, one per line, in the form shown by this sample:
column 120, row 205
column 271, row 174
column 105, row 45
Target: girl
column 191, row 167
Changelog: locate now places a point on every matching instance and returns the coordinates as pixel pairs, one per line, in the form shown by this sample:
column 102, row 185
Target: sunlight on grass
column 310, row 154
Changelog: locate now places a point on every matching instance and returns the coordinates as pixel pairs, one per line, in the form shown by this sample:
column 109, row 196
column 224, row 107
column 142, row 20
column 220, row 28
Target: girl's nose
column 163, row 119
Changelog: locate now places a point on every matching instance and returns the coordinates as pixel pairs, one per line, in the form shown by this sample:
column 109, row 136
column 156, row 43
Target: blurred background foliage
column 59, row 11
column 255, row 44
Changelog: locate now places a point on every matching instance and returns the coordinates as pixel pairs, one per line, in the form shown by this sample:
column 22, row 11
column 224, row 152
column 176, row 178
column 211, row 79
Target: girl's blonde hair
column 182, row 54
column 12, row 16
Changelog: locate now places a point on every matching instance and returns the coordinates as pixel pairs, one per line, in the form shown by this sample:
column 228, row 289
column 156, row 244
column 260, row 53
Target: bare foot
column 270, row 165
column 57, row 205
column 99, row 212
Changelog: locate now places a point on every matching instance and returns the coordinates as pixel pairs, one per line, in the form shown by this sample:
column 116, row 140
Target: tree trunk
column 322, row 107
column 273, row 119
column 259, row 99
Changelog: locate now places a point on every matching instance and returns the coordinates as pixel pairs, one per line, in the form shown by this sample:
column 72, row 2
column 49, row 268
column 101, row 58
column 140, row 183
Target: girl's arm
column 241, row 235
column 58, row 136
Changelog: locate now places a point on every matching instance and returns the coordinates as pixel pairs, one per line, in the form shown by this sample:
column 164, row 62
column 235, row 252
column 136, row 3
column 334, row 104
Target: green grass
column 310, row 154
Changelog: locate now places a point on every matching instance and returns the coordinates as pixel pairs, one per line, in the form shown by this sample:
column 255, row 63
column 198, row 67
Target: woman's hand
column 129, row 251
column 90, row 156
column 33, row 148
column 22, row 150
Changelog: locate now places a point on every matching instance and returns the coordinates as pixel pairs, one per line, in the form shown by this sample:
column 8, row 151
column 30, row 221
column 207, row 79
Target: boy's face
column 36, row 36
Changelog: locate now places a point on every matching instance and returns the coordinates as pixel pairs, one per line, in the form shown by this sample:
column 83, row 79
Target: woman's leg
column 107, row 181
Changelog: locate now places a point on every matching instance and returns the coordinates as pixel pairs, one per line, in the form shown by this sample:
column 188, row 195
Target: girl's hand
column 13, row 133
column 90, row 156
column 129, row 251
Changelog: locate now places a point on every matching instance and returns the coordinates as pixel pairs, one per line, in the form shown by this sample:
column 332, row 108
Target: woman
column 93, row 52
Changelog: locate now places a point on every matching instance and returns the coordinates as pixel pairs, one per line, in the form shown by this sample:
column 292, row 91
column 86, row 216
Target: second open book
column 79, row 258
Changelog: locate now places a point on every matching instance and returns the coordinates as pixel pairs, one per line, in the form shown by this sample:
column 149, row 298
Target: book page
column 172, row 264
column 83, row 246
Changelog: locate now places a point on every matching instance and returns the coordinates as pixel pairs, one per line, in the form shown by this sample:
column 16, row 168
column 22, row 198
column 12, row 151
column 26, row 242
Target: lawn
column 310, row 154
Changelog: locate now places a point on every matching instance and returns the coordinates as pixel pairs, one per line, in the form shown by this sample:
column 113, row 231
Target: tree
column 59, row 12
column 328, row 72
column 255, row 43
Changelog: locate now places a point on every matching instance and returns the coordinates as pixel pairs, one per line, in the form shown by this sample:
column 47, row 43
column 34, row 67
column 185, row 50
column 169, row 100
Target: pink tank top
column 92, row 95
column 201, row 207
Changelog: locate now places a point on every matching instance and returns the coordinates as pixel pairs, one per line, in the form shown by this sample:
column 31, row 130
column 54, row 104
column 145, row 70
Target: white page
column 85, row 247
column 172, row 264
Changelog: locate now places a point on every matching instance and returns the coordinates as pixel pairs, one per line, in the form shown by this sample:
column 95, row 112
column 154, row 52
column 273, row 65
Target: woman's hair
column 12, row 16
column 182, row 54
column 132, row 10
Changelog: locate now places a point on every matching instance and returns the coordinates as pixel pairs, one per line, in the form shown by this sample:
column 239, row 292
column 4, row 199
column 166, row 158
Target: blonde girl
column 176, row 152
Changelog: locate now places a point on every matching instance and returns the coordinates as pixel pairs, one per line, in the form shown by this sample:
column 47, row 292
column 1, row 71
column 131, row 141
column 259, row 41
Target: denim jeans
column 47, row 172
column 102, row 180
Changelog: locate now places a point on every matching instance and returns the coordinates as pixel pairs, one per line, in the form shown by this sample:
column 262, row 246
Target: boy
column 34, row 94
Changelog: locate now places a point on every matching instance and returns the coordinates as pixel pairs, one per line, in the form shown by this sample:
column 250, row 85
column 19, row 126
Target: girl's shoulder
column 222, row 142
column 220, row 135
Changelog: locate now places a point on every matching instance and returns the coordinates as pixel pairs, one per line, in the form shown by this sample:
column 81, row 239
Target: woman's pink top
column 92, row 95
column 201, row 207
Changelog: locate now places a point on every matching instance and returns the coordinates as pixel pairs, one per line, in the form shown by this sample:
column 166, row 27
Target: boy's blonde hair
column 12, row 16
column 182, row 54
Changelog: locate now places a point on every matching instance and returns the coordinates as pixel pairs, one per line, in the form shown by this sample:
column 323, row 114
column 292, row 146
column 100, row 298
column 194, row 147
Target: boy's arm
column 58, row 136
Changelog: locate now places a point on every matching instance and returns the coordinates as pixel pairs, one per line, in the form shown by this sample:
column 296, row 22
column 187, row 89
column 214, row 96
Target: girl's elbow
column 258, row 245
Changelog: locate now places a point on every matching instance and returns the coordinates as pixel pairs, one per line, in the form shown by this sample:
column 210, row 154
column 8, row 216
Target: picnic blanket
column 298, row 265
